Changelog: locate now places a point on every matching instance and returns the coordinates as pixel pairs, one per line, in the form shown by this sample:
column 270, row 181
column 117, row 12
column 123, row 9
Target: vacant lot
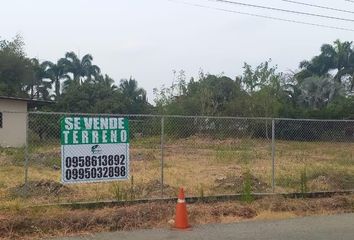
column 204, row 166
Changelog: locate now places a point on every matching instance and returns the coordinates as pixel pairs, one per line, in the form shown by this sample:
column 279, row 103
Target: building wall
column 13, row 131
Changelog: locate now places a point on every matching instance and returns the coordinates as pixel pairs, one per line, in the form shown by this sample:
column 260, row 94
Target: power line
column 318, row 6
column 282, row 10
column 264, row 16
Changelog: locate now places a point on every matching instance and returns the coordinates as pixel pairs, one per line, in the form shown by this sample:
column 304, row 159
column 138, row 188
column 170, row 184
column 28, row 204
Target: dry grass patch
column 196, row 163
column 27, row 223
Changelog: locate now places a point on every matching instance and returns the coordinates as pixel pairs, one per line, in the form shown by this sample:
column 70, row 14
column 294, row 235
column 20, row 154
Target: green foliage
column 339, row 57
column 80, row 69
column 257, row 93
column 15, row 68
column 78, row 84
column 313, row 92
column 247, row 196
column 322, row 88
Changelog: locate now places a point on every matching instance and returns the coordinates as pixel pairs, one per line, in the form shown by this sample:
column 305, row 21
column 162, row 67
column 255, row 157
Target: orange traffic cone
column 181, row 220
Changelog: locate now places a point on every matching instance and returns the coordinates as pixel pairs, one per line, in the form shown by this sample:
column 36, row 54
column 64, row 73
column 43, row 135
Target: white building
column 13, row 125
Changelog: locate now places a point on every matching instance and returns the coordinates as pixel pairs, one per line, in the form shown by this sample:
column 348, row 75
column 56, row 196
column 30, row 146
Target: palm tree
column 37, row 86
column 317, row 92
column 339, row 57
column 80, row 68
column 106, row 81
column 56, row 72
column 131, row 90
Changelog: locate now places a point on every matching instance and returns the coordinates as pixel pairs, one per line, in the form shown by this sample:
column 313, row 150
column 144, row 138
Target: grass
column 14, row 156
column 203, row 166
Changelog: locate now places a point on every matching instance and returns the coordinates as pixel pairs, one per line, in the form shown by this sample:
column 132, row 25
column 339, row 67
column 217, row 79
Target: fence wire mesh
column 314, row 155
column 213, row 156
column 207, row 155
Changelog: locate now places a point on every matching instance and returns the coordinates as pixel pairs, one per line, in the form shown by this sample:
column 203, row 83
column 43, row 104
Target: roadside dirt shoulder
column 36, row 223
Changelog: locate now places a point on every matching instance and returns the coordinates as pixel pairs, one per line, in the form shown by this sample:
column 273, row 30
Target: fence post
column 162, row 151
column 273, row 155
column 26, row 157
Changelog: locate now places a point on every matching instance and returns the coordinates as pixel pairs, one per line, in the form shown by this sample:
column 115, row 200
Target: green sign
column 94, row 149
column 94, row 130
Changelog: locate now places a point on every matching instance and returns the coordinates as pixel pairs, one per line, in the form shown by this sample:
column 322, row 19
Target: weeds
column 118, row 192
column 247, row 188
column 132, row 192
column 54, row 162
column 201, row 191
column 15, row 155
column 97, row 193
column 245, row 157
column 303, row 182
column 122, row 193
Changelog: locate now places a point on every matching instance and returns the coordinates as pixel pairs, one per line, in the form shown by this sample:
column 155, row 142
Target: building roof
column 31, row 102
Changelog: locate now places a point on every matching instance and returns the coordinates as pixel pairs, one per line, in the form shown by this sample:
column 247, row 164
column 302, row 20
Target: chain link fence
column 314, row 155
column 207, row 155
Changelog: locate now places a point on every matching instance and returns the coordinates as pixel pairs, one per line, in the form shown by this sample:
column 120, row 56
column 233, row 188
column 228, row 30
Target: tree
column 80, row 69
column 134, row 96
column 85, row 89
column 38, row 86
column 214, row 92
column 15, row 68
column 131, row 90
column 264, row 86
column 262, row 75
column 318, row 92
column 338, row 57
column 56, row 73
column 106, row 81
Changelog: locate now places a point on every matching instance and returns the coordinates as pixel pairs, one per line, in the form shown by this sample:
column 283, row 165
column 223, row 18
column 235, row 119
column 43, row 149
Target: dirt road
column 338, row 227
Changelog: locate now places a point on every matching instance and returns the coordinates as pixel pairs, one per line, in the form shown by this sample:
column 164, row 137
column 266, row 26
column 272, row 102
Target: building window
column 0, row 119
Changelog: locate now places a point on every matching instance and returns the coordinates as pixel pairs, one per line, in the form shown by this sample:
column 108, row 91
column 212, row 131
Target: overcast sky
column 148, row 39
